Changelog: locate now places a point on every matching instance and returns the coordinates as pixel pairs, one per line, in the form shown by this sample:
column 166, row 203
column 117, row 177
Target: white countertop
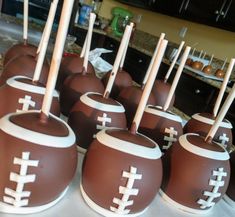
column 73, row 205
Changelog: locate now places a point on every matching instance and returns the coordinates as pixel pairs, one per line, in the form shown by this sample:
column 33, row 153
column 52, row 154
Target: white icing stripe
column 209, row 121
column 101, row 106
column 12, row 82
column 101, row 210
column 167, row 115
column 34, row 137
column 182, row 207
column 128, row 147
column 6, row 208
column 229, row 201
column 201, row 151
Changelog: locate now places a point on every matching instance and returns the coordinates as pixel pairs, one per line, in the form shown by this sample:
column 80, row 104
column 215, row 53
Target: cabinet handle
column 181, row 6
column 227, row 9
column 140, row 61
column 111, row 45
column 218, row 12
column 197, row 91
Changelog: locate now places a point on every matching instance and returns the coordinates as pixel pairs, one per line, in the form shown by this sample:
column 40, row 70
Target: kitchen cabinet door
column 193, row 95
column 227, row 16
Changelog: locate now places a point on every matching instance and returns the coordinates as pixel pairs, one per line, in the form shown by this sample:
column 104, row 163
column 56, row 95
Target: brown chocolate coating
column 76, row 85
column 207, row 69
column 103, row 168
column 83, row 119
column 56, row 165
column 189, row 62
column 70, row 65
column 24, row 65
column 11, row 95
column 154, row 127
column 186, row 175
column 197, row 65
column 130, row 97
column 19, row 50
column 219, row 73
column 231, row 187
column 122, row 80
column 160, row 91
column 201, row 128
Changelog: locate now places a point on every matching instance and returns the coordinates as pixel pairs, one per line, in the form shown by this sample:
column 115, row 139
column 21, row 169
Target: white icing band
column 12, row 82
column 215, row 155
column 101, row 106
column 182, row 207
column 39, row 138
column 6, row 208
column 163, row 114
column 128, row 147
column 101, row 210
column 229, row 201
column 209, row 121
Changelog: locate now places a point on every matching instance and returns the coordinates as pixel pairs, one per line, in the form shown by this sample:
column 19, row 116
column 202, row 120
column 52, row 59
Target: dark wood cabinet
column 217, row 13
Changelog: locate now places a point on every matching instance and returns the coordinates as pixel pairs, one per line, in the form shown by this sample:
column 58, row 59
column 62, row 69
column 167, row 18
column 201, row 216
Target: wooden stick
column 221, row 114
column 45, row 40
column 223, row 87
column 211, row 59
column 117, row 61
column 125, row 51
column 83, row 48
column 200, row 55
column 204, row 55
column 40, row 43
column 152, row 60
column 193, row 51
column 26, row 17
column 148, row 87
column 88, row 44
column 224, row 63
column 176, row 78
column 57, row 55
column 174, row 61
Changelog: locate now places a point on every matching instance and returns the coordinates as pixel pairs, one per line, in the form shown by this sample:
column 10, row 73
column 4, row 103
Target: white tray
column 203, row 74
column 73, row 205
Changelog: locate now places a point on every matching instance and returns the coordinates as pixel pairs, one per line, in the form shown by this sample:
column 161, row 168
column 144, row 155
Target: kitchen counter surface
column 146, row 44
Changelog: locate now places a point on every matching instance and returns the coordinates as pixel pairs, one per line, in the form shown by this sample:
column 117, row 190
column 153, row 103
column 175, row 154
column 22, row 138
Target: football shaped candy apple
column 201, row 122
column 197, row 169
column 130, row 167
column 122, row 80
column 161, row 88
column 130, row 96
column 75, row 64
column 22, row 48
column 38, row 150
column 158, row 123
column 94, row 112
column 77, row 84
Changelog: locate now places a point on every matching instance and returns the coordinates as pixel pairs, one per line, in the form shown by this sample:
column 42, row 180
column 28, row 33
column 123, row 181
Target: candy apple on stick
column 129, row 164
column 26, row 93
column 129, row 97
column 74, row 64
column 122, row 80
column 159, row 124
column 201, row 122
column 77, row 84
column 94, row 111
column 161, row 88
column 197, row 169
column 37, row 149
column 22, row 48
